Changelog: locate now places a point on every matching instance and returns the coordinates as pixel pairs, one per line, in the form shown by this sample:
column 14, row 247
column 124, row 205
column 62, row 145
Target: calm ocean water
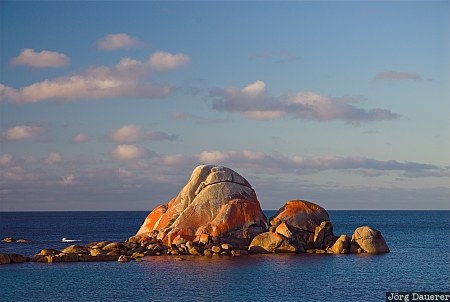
column 419, row 261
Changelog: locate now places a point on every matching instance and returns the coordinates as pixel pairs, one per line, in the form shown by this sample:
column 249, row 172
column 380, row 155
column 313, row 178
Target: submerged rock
column 217, row 202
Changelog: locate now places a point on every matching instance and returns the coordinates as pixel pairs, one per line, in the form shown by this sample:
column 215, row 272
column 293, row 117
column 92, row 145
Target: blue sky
column 111, row 105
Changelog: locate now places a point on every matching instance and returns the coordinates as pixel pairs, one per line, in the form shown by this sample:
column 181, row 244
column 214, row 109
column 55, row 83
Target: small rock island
column 218, row 213
column 218, row 205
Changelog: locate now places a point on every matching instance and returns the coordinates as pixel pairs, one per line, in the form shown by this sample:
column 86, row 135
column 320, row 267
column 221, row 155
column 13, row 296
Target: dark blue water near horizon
column 419, row 261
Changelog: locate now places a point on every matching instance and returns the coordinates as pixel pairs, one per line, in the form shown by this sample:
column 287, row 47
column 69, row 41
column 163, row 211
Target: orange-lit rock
column 216, row 201
column 302, row 217
column 300, row 214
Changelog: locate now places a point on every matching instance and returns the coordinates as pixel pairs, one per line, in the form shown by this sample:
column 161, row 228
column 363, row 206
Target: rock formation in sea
column 217, row 213
column 219, row 204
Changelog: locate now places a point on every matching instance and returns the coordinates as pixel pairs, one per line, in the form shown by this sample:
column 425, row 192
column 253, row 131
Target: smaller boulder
column 49, row 252
column 369, row 240
column 123, row 258
column 269, row 242
column 16, row 258
column 8, row 240
column 4, row 259
column 23, row 241
column 76, row 249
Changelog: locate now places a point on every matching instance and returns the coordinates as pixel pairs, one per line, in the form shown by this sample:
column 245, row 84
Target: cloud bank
column 254, row 102
column 128, row 78
column 45, row 58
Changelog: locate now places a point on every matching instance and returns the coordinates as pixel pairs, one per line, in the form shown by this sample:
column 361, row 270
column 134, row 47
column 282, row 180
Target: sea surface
column 419, row 261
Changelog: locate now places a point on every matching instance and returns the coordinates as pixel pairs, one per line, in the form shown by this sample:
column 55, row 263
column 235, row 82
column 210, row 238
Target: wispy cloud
column 134, row 133
column 6, row 159
column 128, row 152
column 45, row 58
column 398, row 76
column 80, row 138
column 128, row 78
column 116, row 41
column 278, row 56
column 202, row 120
column 53, row 158
column 22, row 132
column 254, row 102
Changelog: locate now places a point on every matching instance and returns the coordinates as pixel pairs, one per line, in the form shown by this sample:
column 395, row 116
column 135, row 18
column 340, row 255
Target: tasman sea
column 419, row 261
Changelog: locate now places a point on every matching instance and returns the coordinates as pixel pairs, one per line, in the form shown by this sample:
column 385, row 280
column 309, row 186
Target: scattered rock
column 23, row 241
column 8, row 240
column 123, row 258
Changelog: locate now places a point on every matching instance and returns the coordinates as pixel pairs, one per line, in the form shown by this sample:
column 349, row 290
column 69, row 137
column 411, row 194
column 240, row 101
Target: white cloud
column 128, row 152
column 254, row 89
column 116, row 41
column 132, row 134
column 128, row 79
column 164, row 61
column 254, row 102
column 80, row 138
column 45, row 58
column 126, row 134
column 53, row 158
column 21, row 132
column 398, row 76
column 6, row 159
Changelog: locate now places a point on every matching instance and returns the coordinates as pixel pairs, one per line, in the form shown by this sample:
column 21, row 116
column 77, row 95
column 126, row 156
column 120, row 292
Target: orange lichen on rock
column 300, row 214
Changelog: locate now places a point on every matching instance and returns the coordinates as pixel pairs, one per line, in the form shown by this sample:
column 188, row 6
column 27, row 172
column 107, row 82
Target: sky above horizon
column 111, row 105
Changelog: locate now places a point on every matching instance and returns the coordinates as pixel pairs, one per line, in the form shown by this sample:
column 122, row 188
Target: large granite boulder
column 216, row 201
column 302, row 217
column 368, row 240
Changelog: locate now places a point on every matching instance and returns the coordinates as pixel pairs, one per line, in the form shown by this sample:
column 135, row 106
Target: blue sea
column 419, row 261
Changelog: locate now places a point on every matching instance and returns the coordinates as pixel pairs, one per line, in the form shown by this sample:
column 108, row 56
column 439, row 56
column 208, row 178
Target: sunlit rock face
column 216, row 201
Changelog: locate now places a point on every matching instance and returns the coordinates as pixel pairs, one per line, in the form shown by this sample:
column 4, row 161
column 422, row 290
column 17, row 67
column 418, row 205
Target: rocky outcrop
column 368, row 240
column 10, row 240
column 216, row 202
